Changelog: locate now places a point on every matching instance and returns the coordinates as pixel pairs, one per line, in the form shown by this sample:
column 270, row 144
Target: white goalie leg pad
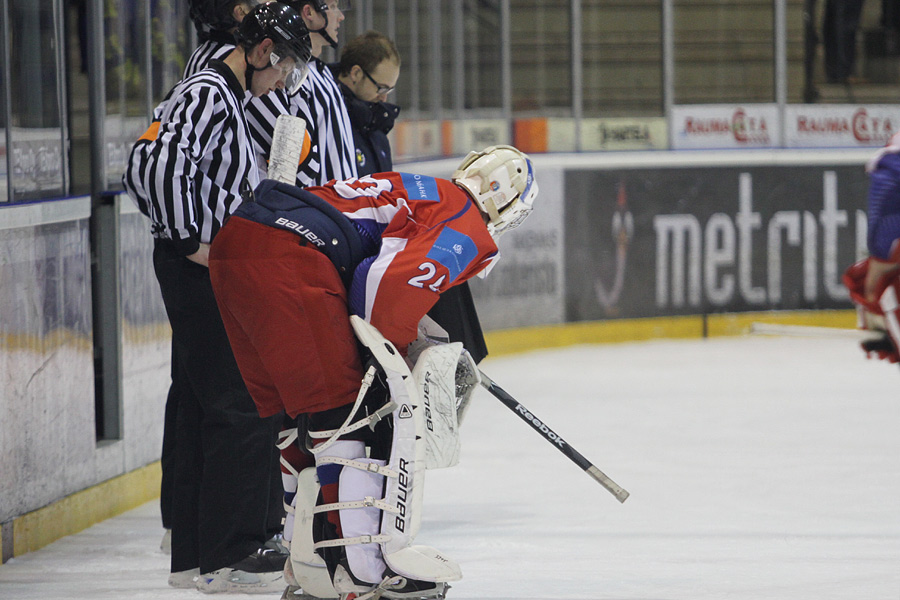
column 405, row 486
column 890, row 304
column 361, row 491
column 435, row 377
column 309, row 568
column 286, row 438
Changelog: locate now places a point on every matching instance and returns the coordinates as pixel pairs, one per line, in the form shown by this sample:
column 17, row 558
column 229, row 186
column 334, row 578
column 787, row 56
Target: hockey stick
column 554, row 438
column 287, row 146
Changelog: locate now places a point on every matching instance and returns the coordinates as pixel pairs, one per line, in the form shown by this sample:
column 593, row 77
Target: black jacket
column 371, row 122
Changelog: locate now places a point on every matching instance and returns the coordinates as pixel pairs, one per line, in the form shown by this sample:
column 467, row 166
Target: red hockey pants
column 285, row 311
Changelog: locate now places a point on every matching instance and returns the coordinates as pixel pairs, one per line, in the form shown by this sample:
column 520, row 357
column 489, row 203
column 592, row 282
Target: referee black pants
column 224, row 455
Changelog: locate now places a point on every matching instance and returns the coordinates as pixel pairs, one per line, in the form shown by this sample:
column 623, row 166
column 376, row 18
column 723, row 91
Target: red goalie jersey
column 423, row 235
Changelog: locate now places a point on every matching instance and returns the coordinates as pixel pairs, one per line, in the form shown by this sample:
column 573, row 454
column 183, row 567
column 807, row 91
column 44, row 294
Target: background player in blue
column 874, row 282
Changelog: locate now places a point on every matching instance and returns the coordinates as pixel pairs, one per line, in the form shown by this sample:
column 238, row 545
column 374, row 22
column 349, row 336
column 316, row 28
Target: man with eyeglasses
column 319, row 103
column 367, row 73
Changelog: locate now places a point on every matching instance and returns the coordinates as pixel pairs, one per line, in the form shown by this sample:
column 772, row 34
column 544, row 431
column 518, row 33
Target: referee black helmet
column 284, row 26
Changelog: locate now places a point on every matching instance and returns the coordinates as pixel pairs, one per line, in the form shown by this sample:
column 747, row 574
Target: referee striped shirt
column 192, row 175
column 218, row 45
column 321, row 104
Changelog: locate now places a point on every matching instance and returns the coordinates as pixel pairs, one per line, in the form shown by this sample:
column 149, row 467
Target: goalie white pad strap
column 369, row 421
column 357, row 464
column 366, row 502
column 351, row 541
column 332, row 435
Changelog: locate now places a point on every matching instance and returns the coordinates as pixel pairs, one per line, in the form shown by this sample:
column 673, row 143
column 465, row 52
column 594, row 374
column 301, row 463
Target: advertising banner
column 460, row 137
column 713, row 126
column 624, row 134
column 35, row 162
column 670, row 241
column 121, row 134
column 415, row 139
column 840, row 125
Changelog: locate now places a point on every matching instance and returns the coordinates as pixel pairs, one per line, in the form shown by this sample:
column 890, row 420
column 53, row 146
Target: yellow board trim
column 83, row 509
column 511, row 341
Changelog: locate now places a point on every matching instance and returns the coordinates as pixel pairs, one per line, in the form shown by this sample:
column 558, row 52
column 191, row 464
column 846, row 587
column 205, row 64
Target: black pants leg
column 839, row 28
column 275, row 522
column 168, row 446
column 223, row 450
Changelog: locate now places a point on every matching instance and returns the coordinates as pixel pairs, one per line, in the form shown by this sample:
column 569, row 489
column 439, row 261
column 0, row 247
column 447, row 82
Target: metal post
column 780, row 30
column 414, row 100
column 577, row 71
column 370, row 15
column 58, row 32
column 810, row 44
column 668, row 62
column 506, row 62
column 7, row 95
column 148, row 58
column 437, row 101
column 458, row 59
column 104, row 247
column 392, row 19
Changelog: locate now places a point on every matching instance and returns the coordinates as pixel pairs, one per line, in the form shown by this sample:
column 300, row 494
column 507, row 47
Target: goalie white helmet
column 501, row 180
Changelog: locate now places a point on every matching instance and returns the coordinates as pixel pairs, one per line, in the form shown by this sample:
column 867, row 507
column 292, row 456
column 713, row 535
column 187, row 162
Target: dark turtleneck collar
column 369, row 116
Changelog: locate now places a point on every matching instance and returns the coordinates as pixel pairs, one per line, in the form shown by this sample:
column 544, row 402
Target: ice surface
column 758, row 468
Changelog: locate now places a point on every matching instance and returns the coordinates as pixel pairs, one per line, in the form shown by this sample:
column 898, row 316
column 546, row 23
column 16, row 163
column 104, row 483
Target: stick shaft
column 552, row 437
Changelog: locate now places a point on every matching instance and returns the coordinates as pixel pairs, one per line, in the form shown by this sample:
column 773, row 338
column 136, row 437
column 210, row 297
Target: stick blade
column 287, row 148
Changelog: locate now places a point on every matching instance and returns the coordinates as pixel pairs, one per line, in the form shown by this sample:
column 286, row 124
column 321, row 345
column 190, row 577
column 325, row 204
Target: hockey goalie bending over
column 874, row 282
column 288, row 270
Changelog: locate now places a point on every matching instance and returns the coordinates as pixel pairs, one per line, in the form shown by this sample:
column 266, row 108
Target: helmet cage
column 294, row 77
